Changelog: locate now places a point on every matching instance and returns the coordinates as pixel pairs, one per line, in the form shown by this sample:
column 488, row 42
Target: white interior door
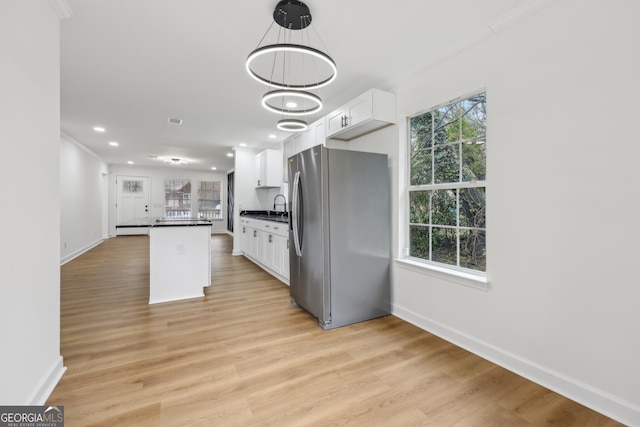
column 132, row 199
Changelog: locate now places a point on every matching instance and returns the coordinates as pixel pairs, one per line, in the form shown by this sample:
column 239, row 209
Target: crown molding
column 62, row 8
column 517, row 14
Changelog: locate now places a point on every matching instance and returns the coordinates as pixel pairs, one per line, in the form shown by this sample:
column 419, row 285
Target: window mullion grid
column 458, row 192
column 430, row 225
column 458, row 227
column 433, row 180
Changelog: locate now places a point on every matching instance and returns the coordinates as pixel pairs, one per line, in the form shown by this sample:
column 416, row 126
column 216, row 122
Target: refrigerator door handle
column 295, row 208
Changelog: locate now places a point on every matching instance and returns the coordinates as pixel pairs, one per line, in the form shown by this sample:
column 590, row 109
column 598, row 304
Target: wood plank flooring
column 244, row 356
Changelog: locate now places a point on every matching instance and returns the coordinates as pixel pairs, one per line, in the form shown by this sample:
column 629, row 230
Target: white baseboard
column 47, row 384
column 237, row 253
column 598, row 400
column 79, row 252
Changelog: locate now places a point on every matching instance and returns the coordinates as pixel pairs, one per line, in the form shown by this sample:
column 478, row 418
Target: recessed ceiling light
column 99, row 129
column 213, row 168
column 130, row 162
column 242, row 144
column 113, row 144
column 272, row 136
column 291, row 104
column 229, row 154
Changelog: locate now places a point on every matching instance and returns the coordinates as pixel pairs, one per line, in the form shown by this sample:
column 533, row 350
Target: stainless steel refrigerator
column 340, row 235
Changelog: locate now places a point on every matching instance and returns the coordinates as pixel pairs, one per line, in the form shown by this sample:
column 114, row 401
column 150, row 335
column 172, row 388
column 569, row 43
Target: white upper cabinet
column 370, row 111
column 269, row 169
column 288, row 150
column 314, row 135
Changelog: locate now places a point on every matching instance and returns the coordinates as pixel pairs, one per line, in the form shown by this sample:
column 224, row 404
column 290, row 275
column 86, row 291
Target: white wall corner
column 62, row 8
column 48, row 383
column 599, row 400
column 80, row 146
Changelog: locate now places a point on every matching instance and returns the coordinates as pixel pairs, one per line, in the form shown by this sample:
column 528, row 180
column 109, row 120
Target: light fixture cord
column 313, row 60
column 275, row 57
column 265, row 34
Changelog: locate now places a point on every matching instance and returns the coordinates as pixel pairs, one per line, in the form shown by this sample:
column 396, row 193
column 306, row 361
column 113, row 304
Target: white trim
column 80, row 146
column 79, row 252
column 62, row 8
column 585, row 394
column 454, row 276
column 517, row 14
column 48, row 383
column 484, row 32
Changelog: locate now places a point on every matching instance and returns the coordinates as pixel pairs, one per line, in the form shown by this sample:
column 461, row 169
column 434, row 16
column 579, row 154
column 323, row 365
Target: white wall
column 30, row 360
column 562, row 109
column 81, row 201
column 247, row 197
column 157, row 175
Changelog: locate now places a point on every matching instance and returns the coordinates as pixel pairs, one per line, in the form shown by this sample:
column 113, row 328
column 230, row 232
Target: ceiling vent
column 175, row 121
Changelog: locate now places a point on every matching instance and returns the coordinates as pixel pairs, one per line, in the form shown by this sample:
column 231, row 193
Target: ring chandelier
column 291, row 66
column 291, row 107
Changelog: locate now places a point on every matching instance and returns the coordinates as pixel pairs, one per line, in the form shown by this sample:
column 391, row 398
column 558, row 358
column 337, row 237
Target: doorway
column 132, row 203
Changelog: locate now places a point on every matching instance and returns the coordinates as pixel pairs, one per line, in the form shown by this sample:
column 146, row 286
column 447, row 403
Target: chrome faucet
column 284, row 205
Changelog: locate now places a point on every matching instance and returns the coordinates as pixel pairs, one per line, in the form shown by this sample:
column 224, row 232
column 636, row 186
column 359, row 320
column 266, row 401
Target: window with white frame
column 209, row 200
column 447, row 188
column 177, row 198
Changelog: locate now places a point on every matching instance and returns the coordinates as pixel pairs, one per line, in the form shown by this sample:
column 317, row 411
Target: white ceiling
column 129, row 65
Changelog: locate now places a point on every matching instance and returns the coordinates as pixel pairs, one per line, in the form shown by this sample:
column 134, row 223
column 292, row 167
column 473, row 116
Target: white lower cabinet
column 279, row 252
column 266, row 243
column 263, row 246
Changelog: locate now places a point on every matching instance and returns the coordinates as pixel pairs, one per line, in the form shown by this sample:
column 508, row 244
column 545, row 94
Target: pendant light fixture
column 290, row 60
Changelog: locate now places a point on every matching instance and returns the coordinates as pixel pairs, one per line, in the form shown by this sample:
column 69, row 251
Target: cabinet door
column 285, row 257
column 277, row 242
column 334, row 121
column 263, row 243
column 288, row 150
column 245, row 242
column 320, row 132
column 360, row 109
column 299, row 142
column 315, row 134
column 272, row 168
column 259, row 167
column 253, row 242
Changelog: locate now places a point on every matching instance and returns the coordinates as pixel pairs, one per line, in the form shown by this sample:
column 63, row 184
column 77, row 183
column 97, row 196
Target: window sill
column 458, row 277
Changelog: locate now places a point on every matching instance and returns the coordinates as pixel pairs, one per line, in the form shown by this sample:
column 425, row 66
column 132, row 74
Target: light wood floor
column 243, row 356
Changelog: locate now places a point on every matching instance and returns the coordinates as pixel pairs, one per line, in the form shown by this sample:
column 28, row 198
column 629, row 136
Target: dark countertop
column 165, row 222
column 275, row 216
column 180, row 222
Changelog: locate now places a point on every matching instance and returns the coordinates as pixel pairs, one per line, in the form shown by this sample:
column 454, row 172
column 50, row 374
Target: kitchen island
column 179, row 259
